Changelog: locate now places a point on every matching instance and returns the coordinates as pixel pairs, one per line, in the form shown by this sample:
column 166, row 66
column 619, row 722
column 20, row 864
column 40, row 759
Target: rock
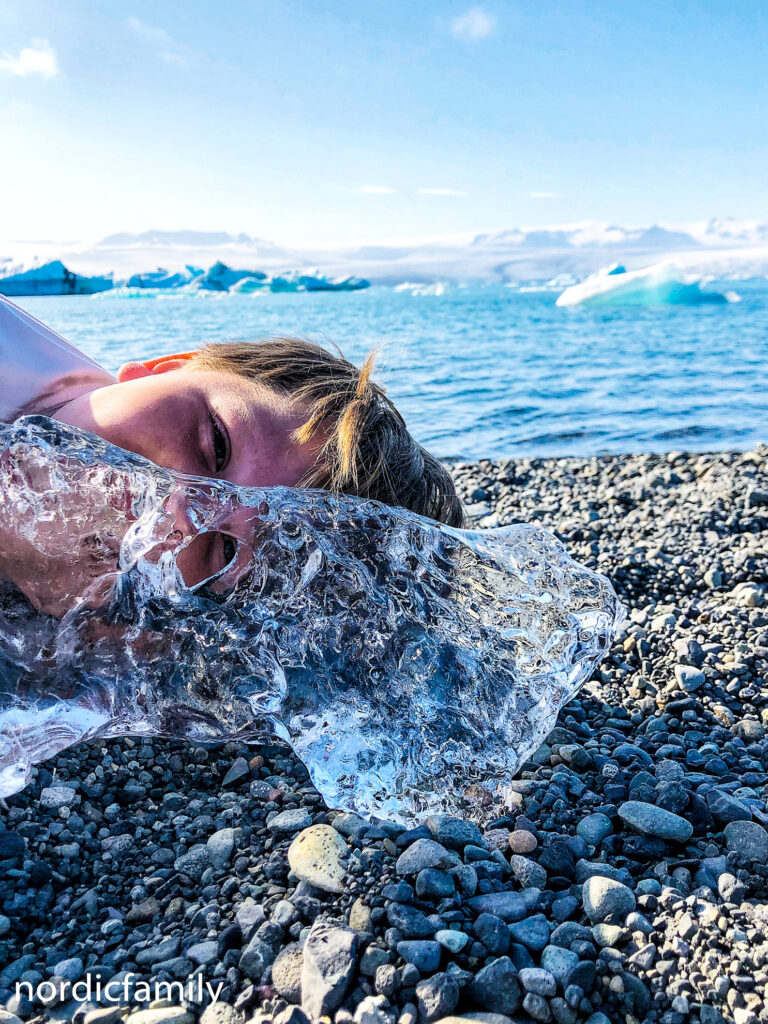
column 493, row 933
column 559, row 962
column 532, row 932
column 373, row 1010
column 509, row 906
column 528, row 873
column 654, row 821
column 411, row 922
column 220, row 1013
column 725, row 807
column 594, row 828
column 433, row 885
column 143, row 912
column 713, row 578
column 203, row 952
column 605, row 897
column 318, row 855
column 425, row 853
column 453, row 833
column 161, row 1015
column 194, row 862
column 257, row 956
column 293, row 820
column 537, row 1007
column 70, row 969
column 330, row 959
column 535, row 979
column 521, row 841
column 453, row 941
column 360, row 916
column 422, row 953
column 350, row 825
column 286, row 972
column 496, row 987
column 221, row 846
column 748, row 839
column 437, row 996
column 11, row 845
column 249, row 916
column 238, row 771
column 689, row 678
column 57, row 796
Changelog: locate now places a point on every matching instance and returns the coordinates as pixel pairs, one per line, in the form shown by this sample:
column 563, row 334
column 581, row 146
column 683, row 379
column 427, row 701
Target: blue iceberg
column 296, row 281
column 53, row 279
column 663, row 283
column 161, row 278
column 221, row 278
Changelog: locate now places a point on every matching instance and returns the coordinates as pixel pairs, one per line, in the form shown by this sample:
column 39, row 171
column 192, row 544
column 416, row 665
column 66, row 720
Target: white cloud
column 39, row 58
column 374, row 190
column 169, row 50
column 441, row 192
column 473, row 24
column 545, row 195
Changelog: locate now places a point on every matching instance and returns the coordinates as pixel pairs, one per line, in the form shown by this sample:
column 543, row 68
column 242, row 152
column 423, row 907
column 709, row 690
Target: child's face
column 201, row 422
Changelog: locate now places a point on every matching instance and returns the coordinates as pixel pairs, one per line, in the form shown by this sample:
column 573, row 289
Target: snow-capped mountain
column 716, row 246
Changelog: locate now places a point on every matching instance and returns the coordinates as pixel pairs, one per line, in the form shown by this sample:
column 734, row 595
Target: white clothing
column 39, row 370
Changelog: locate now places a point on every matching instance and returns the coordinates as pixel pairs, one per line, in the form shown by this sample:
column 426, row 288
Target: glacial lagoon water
column 491, row 371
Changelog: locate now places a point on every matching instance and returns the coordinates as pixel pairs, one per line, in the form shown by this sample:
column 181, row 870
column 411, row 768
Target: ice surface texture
column 405, row 661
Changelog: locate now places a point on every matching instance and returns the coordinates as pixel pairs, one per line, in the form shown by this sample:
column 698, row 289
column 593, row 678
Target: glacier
column 412, row 666
column 661, row 283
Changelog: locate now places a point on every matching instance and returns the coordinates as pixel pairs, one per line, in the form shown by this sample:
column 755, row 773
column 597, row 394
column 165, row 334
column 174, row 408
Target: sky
column 309, row 122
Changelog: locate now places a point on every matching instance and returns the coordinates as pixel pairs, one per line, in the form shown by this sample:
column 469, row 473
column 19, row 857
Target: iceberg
column 412, row 666
column 221, row 278
column 160, row 278
column 300, row 281
column 53, row 279
column 660, row 283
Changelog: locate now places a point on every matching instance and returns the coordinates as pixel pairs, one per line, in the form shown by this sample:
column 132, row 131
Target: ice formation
column 661, row 283
column 405, row 661
column 53, row 279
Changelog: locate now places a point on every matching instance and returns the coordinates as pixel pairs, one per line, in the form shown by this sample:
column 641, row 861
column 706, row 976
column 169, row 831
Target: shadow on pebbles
column 624, row 880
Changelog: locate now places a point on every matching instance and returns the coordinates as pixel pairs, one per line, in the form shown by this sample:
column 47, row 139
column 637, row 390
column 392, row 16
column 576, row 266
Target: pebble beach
column 624, row 880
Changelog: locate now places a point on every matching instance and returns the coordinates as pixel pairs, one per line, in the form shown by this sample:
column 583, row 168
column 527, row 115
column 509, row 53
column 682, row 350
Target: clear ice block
column 405, row 661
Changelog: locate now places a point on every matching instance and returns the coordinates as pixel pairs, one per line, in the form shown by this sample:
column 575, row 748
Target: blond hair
column 366, row 447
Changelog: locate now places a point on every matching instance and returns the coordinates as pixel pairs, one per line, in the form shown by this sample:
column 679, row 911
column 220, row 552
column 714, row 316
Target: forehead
column 260, row 423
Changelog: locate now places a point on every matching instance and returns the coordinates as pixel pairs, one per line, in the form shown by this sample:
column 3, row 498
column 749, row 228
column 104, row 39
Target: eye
column 220, row 439
column 229, row 545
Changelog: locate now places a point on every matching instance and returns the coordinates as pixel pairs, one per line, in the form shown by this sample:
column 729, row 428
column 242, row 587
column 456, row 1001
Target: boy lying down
column 277, row 412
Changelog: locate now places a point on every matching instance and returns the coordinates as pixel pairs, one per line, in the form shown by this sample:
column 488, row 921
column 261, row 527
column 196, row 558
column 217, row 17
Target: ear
column 160, row 364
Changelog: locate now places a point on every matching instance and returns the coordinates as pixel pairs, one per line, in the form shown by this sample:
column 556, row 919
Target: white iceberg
column 660, row 283
column 313, row 281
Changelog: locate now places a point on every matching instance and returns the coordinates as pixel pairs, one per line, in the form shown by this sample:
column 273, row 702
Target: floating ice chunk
column 661, row 283
column 303, row 281
column 53, row 279
column 421, row 288
column 159, row 278
column 221, row 278
column 407, row 662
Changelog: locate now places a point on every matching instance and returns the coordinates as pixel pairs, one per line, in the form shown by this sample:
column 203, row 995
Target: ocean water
column 490, row 371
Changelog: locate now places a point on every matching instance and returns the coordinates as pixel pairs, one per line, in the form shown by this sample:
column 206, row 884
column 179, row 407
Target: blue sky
column 310, row 122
